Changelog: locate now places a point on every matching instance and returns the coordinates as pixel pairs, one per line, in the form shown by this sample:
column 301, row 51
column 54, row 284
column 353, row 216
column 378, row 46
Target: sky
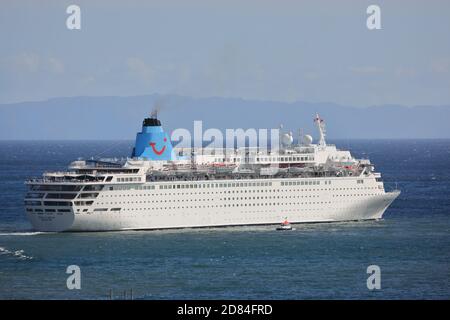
column 315, row 51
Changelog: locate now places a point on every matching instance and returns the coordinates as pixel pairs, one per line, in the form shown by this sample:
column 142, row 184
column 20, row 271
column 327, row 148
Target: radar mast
column 322, row 132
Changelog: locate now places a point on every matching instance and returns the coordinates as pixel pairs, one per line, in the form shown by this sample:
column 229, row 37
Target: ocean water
column 411, row 245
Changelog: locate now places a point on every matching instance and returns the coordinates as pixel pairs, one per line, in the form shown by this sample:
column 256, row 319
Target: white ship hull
column 343, row 199
column 162, row 188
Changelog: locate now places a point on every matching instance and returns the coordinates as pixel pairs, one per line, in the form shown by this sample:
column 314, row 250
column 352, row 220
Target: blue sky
column 254, row 49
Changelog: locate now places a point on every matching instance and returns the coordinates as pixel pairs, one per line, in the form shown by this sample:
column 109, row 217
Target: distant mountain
column 121, row 117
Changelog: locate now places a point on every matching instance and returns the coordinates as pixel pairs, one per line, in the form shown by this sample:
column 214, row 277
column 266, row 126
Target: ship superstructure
column 161, row 187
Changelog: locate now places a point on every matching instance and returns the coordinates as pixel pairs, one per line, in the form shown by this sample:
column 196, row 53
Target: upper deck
column 304, row 159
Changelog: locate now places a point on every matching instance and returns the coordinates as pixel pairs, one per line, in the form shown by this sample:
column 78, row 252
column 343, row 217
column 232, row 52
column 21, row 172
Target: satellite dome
column 307, row 139
column 287, row 139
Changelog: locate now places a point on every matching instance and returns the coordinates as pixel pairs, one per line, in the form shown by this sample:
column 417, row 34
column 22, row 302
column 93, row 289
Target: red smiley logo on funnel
column 160, row 152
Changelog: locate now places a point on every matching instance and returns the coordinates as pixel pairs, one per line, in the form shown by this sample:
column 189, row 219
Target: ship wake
column 19, row 254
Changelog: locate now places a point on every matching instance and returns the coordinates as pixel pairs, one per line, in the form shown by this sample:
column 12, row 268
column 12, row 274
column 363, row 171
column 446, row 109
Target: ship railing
column 244, row 150
column 60, row 181
column 98, row 163
column 55, row 173
column 71, row 176
column 113, row 160
column 194, row 175
column 391, row 186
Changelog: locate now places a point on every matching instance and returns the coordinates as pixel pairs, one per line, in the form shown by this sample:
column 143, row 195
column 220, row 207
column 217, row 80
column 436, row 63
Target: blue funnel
column 153, row 143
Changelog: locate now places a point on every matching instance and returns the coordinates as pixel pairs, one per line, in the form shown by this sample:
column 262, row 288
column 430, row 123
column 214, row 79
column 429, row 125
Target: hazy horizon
column 119, row 118
column 215, row 97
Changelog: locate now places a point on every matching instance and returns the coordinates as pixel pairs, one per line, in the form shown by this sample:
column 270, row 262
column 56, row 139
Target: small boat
column 284, row 226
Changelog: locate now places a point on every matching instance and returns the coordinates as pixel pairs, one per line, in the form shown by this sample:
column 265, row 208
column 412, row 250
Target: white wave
column 20, row 254
column 22, row 233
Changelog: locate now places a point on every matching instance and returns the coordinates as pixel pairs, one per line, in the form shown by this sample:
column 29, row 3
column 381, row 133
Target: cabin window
column 56, row 187
column 94, row 187
column 32, row 203
column 61, row 195
column 35, row 195
column 57, row 203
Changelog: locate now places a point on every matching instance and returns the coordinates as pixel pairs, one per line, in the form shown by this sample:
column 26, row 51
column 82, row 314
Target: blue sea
column 411, row 245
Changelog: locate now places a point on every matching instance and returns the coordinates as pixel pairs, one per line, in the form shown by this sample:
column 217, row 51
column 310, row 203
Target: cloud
column 88, row 80
column 56, row 65
column 30, row 62
column 405, row 72
column 26, row 61
column 440, row 65
column 312, row 75
column 141, row 69
column 367, row 70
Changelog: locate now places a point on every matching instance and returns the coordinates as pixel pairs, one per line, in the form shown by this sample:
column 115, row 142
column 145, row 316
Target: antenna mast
column 322, row 132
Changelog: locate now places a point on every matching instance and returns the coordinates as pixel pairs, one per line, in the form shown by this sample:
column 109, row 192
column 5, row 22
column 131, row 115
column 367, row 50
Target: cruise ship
column 161, row 187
